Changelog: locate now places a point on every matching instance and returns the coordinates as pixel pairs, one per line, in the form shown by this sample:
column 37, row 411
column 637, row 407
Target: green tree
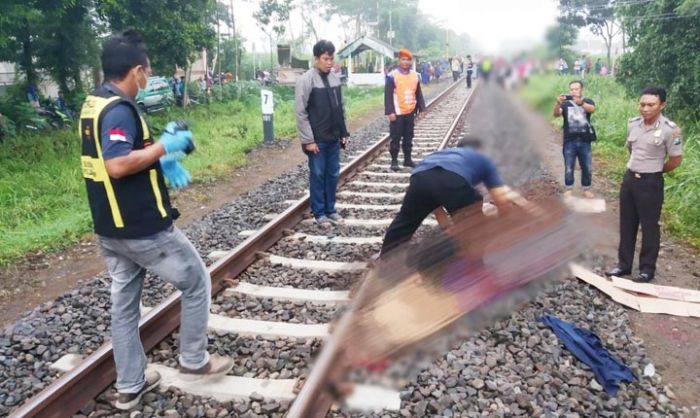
column 271, row 17
column 310, row 10
column 559, row 38
column 599, row 15
column 174, row 30
column 359, row 12
column 228, row 53
column 664, row 37
column 412, row 28
column 21, row 22
column 403, row 19
column 67, row 42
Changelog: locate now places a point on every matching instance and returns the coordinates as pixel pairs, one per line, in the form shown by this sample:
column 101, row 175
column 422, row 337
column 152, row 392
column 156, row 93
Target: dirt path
column 671, row 342
column 41, row 277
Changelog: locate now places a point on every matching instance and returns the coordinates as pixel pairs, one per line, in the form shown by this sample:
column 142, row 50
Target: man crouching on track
column 445, row 179
column 124, row 171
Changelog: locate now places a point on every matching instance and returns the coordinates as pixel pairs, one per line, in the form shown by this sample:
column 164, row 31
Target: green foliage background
column 665, row 35
column 42, row 193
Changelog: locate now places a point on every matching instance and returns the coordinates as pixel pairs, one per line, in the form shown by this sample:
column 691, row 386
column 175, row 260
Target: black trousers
column 469, row 79
column 428, row 191
column 402, row 127
column 455, row 75
column 641, row 199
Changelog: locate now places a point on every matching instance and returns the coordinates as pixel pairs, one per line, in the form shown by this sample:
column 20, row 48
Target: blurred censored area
column 424, row 297
column 479, row 269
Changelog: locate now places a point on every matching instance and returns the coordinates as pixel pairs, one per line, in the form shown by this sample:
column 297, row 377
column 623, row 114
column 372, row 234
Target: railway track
column 315, row 269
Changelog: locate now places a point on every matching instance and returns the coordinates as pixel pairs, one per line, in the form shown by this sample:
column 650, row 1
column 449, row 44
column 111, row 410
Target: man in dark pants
column 402, row 100
column 320, row 117
column 445, row 179
column 651, row 138
column 470, row 71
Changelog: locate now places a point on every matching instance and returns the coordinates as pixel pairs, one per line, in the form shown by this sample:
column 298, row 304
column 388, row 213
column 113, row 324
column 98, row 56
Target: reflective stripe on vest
column 405, row 87
column 94, row 167
column 93, row 164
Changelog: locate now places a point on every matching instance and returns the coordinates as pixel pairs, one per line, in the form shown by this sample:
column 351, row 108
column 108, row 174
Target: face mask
column 140, row 89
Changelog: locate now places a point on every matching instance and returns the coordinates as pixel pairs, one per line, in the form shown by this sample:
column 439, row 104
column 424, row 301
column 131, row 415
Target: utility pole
column 391, row 29
column 447, row 43
column 235, row 44
column 218, row 55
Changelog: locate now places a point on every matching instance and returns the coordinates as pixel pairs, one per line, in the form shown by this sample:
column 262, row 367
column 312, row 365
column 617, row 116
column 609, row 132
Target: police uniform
column 470, row 70
column 642, row 190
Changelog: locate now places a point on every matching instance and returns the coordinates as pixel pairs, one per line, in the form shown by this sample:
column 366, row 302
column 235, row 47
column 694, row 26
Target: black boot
column 408, row 162
column 395, row 164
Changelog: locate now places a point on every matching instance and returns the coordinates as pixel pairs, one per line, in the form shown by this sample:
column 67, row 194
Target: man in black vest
column 125, row 172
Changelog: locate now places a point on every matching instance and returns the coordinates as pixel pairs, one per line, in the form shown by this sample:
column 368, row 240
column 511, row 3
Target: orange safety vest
column 405, row 86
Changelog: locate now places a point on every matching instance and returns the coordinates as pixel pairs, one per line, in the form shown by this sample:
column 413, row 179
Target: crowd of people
column 583, row 66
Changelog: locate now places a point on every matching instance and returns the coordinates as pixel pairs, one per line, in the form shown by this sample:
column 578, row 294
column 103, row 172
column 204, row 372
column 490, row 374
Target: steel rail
column 71, row 391
column 315, row 398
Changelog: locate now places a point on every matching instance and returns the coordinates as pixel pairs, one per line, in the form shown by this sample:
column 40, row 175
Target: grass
column 681, row 213
column 42, row 195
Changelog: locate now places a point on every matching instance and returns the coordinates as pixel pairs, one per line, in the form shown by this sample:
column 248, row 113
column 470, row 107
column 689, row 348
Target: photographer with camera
column 125, row 172
column 578, row 135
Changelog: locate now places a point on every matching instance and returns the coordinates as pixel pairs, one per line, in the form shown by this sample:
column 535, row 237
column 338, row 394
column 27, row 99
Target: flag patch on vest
column 117, row 135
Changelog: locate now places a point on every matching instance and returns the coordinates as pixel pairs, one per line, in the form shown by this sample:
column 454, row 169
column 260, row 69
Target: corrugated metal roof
column 367, row 42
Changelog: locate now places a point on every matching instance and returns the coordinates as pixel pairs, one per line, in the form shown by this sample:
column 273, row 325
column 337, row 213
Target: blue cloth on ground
column 587, row 347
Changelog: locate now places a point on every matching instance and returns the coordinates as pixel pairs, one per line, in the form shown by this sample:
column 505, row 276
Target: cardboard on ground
column 663, row 292
column 581, row 205
column 647, row 304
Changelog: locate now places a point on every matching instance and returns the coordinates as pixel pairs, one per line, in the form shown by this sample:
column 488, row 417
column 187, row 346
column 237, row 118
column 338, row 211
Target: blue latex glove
column 174, row 172
column 174, row 141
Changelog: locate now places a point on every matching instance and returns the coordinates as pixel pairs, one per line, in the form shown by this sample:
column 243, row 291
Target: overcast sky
column 492, row 24
column 495, row 24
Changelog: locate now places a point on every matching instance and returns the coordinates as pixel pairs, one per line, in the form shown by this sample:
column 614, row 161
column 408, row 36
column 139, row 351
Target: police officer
column 403, row 99
column 445, row 179
column 651, row 138
column 125, row 172
column 470, row 71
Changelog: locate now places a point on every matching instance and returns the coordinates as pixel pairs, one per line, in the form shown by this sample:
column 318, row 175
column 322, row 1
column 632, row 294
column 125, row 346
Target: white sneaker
column 336, row 219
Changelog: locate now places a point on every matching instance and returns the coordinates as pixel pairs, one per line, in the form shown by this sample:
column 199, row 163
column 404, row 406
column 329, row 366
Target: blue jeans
column 170, row 255
column 581, row 150
column 324, row 170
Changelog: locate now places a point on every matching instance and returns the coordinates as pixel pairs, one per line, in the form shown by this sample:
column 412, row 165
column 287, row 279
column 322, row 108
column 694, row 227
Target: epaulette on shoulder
column 634, row 119
column 671, row 123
